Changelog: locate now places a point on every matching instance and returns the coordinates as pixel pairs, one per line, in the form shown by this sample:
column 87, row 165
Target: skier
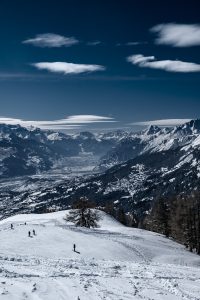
column 29, row 234
column 11, row 226
column 74, row 247
column 34, row 232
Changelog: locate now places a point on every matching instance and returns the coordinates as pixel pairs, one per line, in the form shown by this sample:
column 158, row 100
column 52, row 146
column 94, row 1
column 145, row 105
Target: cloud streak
column 177, row 35
column 51, row 40
column 67, row 68
column 93, row 43
column 131, row 44
column 82, row 119
column 165, row 122
column 166, row 65
column 70, row 122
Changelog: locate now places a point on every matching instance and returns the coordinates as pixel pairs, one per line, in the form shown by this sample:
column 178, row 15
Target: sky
column 99, row 65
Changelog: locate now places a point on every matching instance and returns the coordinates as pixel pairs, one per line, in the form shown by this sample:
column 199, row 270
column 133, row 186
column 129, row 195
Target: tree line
column 128, row 219
column 177, row 217
column 84, row 214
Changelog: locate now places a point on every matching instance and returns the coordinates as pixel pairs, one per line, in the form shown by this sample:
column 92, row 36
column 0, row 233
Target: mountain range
column 132, row 169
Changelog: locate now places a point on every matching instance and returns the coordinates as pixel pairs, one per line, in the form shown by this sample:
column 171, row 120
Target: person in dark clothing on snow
column 29, row 234
column 74, row 248
column 34, row 232
column 11, row 226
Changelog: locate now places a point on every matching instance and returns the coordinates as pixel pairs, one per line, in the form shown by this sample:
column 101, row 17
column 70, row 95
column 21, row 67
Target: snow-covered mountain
column 155, row 162
column 29, row 151
column 23, row 152
column 132, row 185
column 114, row 262
column 152, row 139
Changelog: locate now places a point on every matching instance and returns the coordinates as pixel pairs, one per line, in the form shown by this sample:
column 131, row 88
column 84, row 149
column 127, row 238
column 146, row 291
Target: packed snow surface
column 112, row 262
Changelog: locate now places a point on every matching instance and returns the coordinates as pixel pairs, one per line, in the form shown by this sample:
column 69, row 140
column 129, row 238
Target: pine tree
column 159, row 218
column 121, row 216
column 83, row 214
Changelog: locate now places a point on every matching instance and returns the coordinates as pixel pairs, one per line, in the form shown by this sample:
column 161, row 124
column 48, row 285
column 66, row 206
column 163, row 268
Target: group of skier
column 29, row 232
column 34, row 234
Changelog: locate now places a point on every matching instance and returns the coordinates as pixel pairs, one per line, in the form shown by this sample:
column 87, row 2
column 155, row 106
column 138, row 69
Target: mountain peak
column 195, row 125
column 151, row 129
column 190, row 127
column 86, row 134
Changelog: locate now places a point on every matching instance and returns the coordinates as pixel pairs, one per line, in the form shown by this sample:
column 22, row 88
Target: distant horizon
column 135, row 127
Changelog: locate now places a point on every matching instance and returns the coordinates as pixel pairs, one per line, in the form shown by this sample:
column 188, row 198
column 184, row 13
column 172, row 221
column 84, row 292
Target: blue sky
column 112, row 62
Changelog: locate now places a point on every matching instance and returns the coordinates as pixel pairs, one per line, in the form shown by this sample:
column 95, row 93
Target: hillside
column 115, row 262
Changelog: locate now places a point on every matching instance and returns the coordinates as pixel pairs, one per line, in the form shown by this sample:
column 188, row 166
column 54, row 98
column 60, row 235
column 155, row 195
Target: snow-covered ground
column 114, row 263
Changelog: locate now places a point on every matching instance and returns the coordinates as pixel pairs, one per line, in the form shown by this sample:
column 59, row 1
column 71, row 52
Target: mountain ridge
column 164, row 162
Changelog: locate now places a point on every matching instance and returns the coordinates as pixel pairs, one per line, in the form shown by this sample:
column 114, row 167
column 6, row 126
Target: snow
column 6, row 152
column 172, row 179
column 131, row 184
column 115, row 262
column 196, row 142
column 55, row 136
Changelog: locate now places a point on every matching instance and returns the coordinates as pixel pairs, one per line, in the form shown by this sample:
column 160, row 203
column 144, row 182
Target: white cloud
column 131, row 44
column 67, row 68
column 166, row 65
column 135, row 43
column 88, row 119
column 70, row 122
column 165, row 122
column 177, row 35
column 51, row 40
column 94, row 43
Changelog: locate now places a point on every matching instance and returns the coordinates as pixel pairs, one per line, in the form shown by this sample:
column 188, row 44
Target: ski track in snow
column 115, row 262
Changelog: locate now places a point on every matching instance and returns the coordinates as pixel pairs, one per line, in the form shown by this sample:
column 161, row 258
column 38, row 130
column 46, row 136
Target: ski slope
column 114, row 263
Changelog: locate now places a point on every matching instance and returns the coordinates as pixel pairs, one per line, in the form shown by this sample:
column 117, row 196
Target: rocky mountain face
column 153, row 163
column 23, row 152
column 151, row 140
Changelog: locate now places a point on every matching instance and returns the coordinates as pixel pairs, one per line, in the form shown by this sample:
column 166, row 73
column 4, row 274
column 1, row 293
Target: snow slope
column 115, row 262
